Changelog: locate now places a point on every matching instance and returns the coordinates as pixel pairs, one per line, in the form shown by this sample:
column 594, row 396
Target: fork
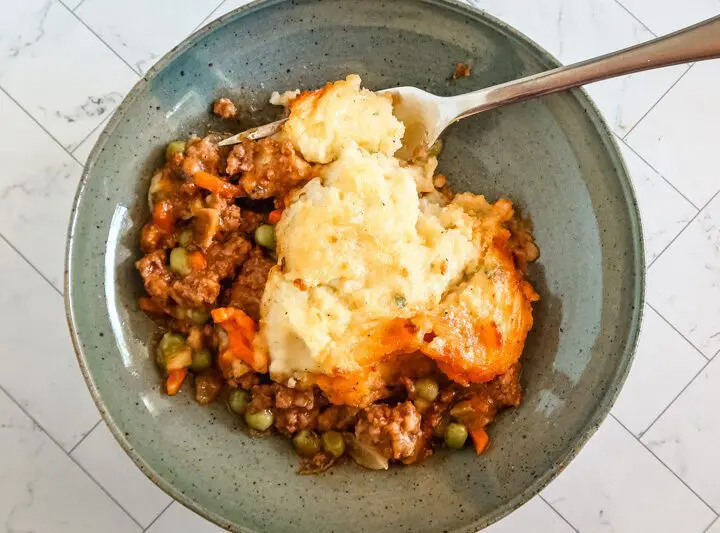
column 426, row 115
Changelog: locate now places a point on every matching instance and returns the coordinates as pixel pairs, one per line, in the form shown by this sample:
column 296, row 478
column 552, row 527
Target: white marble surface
column 652, row 466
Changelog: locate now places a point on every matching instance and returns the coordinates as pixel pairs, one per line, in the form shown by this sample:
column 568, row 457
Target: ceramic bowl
column 554, row 157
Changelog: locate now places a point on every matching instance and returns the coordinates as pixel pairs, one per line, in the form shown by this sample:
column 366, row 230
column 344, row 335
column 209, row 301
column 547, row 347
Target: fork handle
column 695, row 43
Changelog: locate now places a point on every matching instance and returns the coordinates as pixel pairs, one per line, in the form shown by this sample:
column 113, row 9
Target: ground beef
column 462, row 70
column 286, row 398
column 223, row 258
column 521, row 243
column 394, row 431
column 156, row 277
column 224, row 108
column 248, row 381
column 152, row 238
column 293, row 419
column 262, row 397
column 294, row 409
column 247, row 290
column 201, row 154
column 196, row 289
column 240, row 158
column 505, row 390
column 234, row 219
column 338, row 418
column 271, row 168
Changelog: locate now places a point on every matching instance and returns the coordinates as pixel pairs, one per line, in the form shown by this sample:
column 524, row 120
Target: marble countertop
column 653, row 466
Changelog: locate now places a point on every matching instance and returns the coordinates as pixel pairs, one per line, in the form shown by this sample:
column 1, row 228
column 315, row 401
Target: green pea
column 175, row 147
column 306, row 442
column 199, row 316
column 427, row 389
column 265, row 236
column 455, row 435
column 185, row 237
column 400, row 301
column 171, row 343
column 173, row 352
column 421, row 404
column 201, row 360
column 333, row 443
column 436, row 148
column 238, row 401
column 261, row 420
column 179, row 261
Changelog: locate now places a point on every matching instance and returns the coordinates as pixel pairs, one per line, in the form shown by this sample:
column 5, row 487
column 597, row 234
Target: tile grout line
column 77, row 6
column 558, row 513
column 206, row 20
column 12, row 246
column 711, row 525
column 152, row 523
column 81, row 467
column 662, row 96
column 681, row 480
column 22, row 107
column 661, row 252
column 624, row 142
column 678, row 332
column 74, row 14
column 687, row 385
column 618, row 2
column 78, row 443
column 102, row 122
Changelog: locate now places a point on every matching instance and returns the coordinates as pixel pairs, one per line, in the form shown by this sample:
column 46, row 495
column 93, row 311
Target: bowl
column 554, row 157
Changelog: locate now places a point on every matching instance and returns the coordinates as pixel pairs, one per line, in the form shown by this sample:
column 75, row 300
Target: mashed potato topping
column 370, row 269
column 324, row 122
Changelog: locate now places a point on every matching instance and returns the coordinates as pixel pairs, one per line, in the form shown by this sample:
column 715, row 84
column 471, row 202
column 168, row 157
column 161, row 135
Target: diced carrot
column 480, row 439
column 149, row 305
column 174, row 381
column 275, row 216
column 240, row 329
column 238, row 316
column 163, row 217
column 215, row 184
column 221, row 314
column 197, row 260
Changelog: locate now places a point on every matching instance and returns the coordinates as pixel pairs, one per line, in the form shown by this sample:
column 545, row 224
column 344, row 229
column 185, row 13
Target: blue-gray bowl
column 554, row 157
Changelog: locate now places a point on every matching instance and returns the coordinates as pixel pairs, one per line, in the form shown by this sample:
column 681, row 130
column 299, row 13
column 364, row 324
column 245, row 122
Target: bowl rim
column 610, row 145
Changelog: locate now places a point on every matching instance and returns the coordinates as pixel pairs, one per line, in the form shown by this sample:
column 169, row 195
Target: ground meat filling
column 156, row 277
column 394, row 431
column 247, row 289
column 230, row 270
column 224, row 108
column 293, row 409
column 270, row 168
column 202, row 155
column 462, row 70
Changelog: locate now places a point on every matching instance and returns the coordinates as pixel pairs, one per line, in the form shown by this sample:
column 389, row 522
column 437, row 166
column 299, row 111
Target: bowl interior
column 553, row 157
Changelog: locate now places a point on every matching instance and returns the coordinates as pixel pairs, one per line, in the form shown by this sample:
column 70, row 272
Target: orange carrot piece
column 175, row 380
column 480, row 439
column 275, row 216
column 163, row 217
column 240, row 329
column 214, row 184
column 197, row 260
